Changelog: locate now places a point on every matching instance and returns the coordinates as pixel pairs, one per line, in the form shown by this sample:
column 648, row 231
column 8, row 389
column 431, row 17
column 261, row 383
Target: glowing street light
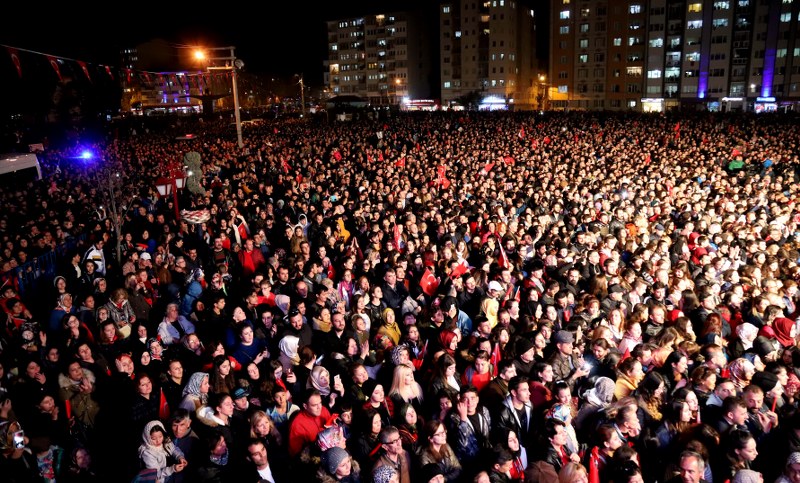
column 232, row 64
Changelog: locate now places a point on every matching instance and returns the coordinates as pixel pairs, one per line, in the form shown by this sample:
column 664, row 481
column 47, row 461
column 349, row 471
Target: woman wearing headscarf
column 741, row 371
column 406, row 422
column 288, row 356
column 320, row 379
column 785, row 331
column 597, row 399
column 746, row 334
column 389, row 326
column 156, row 449
column 195, row 394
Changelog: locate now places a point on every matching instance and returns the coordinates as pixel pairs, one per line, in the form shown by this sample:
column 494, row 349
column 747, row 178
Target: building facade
column 386, row 58
column 488, row 53
column 654, row 55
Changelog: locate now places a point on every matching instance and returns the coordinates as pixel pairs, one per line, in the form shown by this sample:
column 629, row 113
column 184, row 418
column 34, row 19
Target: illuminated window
column 659, row 42
column 583, row 58
column 722, row 5
column 447, row 84
column 654, row 74
column 617, row 41
column 694, row 24
column 583, row 43
column 634, row 71
column 635, row 8
column 584, row 27
column 564, row 15
column 786, row 17
column 695, row 7
column 563, row 29
column 563, row 89
column 458, row 34
column 446, row 9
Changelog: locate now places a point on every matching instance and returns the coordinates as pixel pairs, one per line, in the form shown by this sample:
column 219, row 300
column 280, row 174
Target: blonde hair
column 399, row 387
column 570, row 472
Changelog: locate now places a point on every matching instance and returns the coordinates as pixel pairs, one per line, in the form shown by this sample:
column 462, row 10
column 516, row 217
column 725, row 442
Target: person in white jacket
column 156, row 450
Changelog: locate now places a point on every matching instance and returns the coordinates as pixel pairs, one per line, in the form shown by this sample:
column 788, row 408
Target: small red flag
column 428, row 283
column 54, row 64
column 521, row 133
column 85, row 69
column 460, row 269
column 401, row 163
column 502, row 260
column 163, row 407
column 14, row 53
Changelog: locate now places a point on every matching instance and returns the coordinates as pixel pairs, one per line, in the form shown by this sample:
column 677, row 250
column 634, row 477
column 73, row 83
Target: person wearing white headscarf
column 156, row 449
column 289, row 346
column 746, row 334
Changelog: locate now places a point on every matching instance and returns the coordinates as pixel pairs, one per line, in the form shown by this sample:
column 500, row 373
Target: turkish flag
column 502, row 260
column 14, row 53
column 459, row 269
column 163, row 407
column 488, row 167
column 54, row 64
column 337, row 155
column 429, row 283
column 85, row 69
column 509, row 161
column 521, row 132
column 401, row 163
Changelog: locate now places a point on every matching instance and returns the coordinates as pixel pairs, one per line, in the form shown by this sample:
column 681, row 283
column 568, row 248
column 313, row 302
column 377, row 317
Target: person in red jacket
column 305, row 427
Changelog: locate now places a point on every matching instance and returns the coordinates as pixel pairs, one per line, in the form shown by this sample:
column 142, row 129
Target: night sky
column 277, row 38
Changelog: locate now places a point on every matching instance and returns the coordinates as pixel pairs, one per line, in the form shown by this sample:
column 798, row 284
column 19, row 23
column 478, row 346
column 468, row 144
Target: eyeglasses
column 440, row 433
column 393, row 441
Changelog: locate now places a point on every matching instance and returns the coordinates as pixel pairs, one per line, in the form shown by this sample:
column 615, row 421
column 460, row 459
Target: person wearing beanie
column 526, row 356
column 431, row 473
column 336, row 466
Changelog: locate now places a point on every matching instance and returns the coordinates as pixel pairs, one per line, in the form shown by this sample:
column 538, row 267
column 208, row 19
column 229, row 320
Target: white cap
column 495, row 285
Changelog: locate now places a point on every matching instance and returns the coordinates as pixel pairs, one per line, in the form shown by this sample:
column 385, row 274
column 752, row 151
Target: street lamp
column 232, row 63
column 170, row 184
column 542, row 92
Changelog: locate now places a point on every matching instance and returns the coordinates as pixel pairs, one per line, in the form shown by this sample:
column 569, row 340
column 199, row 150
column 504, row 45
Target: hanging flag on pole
column 85, row 70
column 14, row 53
column 54, row 64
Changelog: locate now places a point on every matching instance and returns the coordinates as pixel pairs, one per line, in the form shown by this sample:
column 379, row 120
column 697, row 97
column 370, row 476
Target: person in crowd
column 156, row 451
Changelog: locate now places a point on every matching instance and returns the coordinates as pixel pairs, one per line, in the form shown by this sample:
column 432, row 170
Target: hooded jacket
column 155, row 457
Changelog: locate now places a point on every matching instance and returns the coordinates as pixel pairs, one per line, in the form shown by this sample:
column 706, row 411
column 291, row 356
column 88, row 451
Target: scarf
column 219, row 460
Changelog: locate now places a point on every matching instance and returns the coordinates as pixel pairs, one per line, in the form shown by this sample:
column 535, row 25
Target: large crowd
column 429, row 297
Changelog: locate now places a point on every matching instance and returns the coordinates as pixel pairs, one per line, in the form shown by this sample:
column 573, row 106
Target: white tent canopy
column 12, row 162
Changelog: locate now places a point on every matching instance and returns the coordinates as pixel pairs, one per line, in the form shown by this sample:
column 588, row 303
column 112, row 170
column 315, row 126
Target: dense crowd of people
column 431, row 297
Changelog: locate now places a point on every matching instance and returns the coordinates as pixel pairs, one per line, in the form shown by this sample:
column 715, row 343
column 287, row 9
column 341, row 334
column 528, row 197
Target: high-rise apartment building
column 653, row 55
column 488, row 52
column 385, row 58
